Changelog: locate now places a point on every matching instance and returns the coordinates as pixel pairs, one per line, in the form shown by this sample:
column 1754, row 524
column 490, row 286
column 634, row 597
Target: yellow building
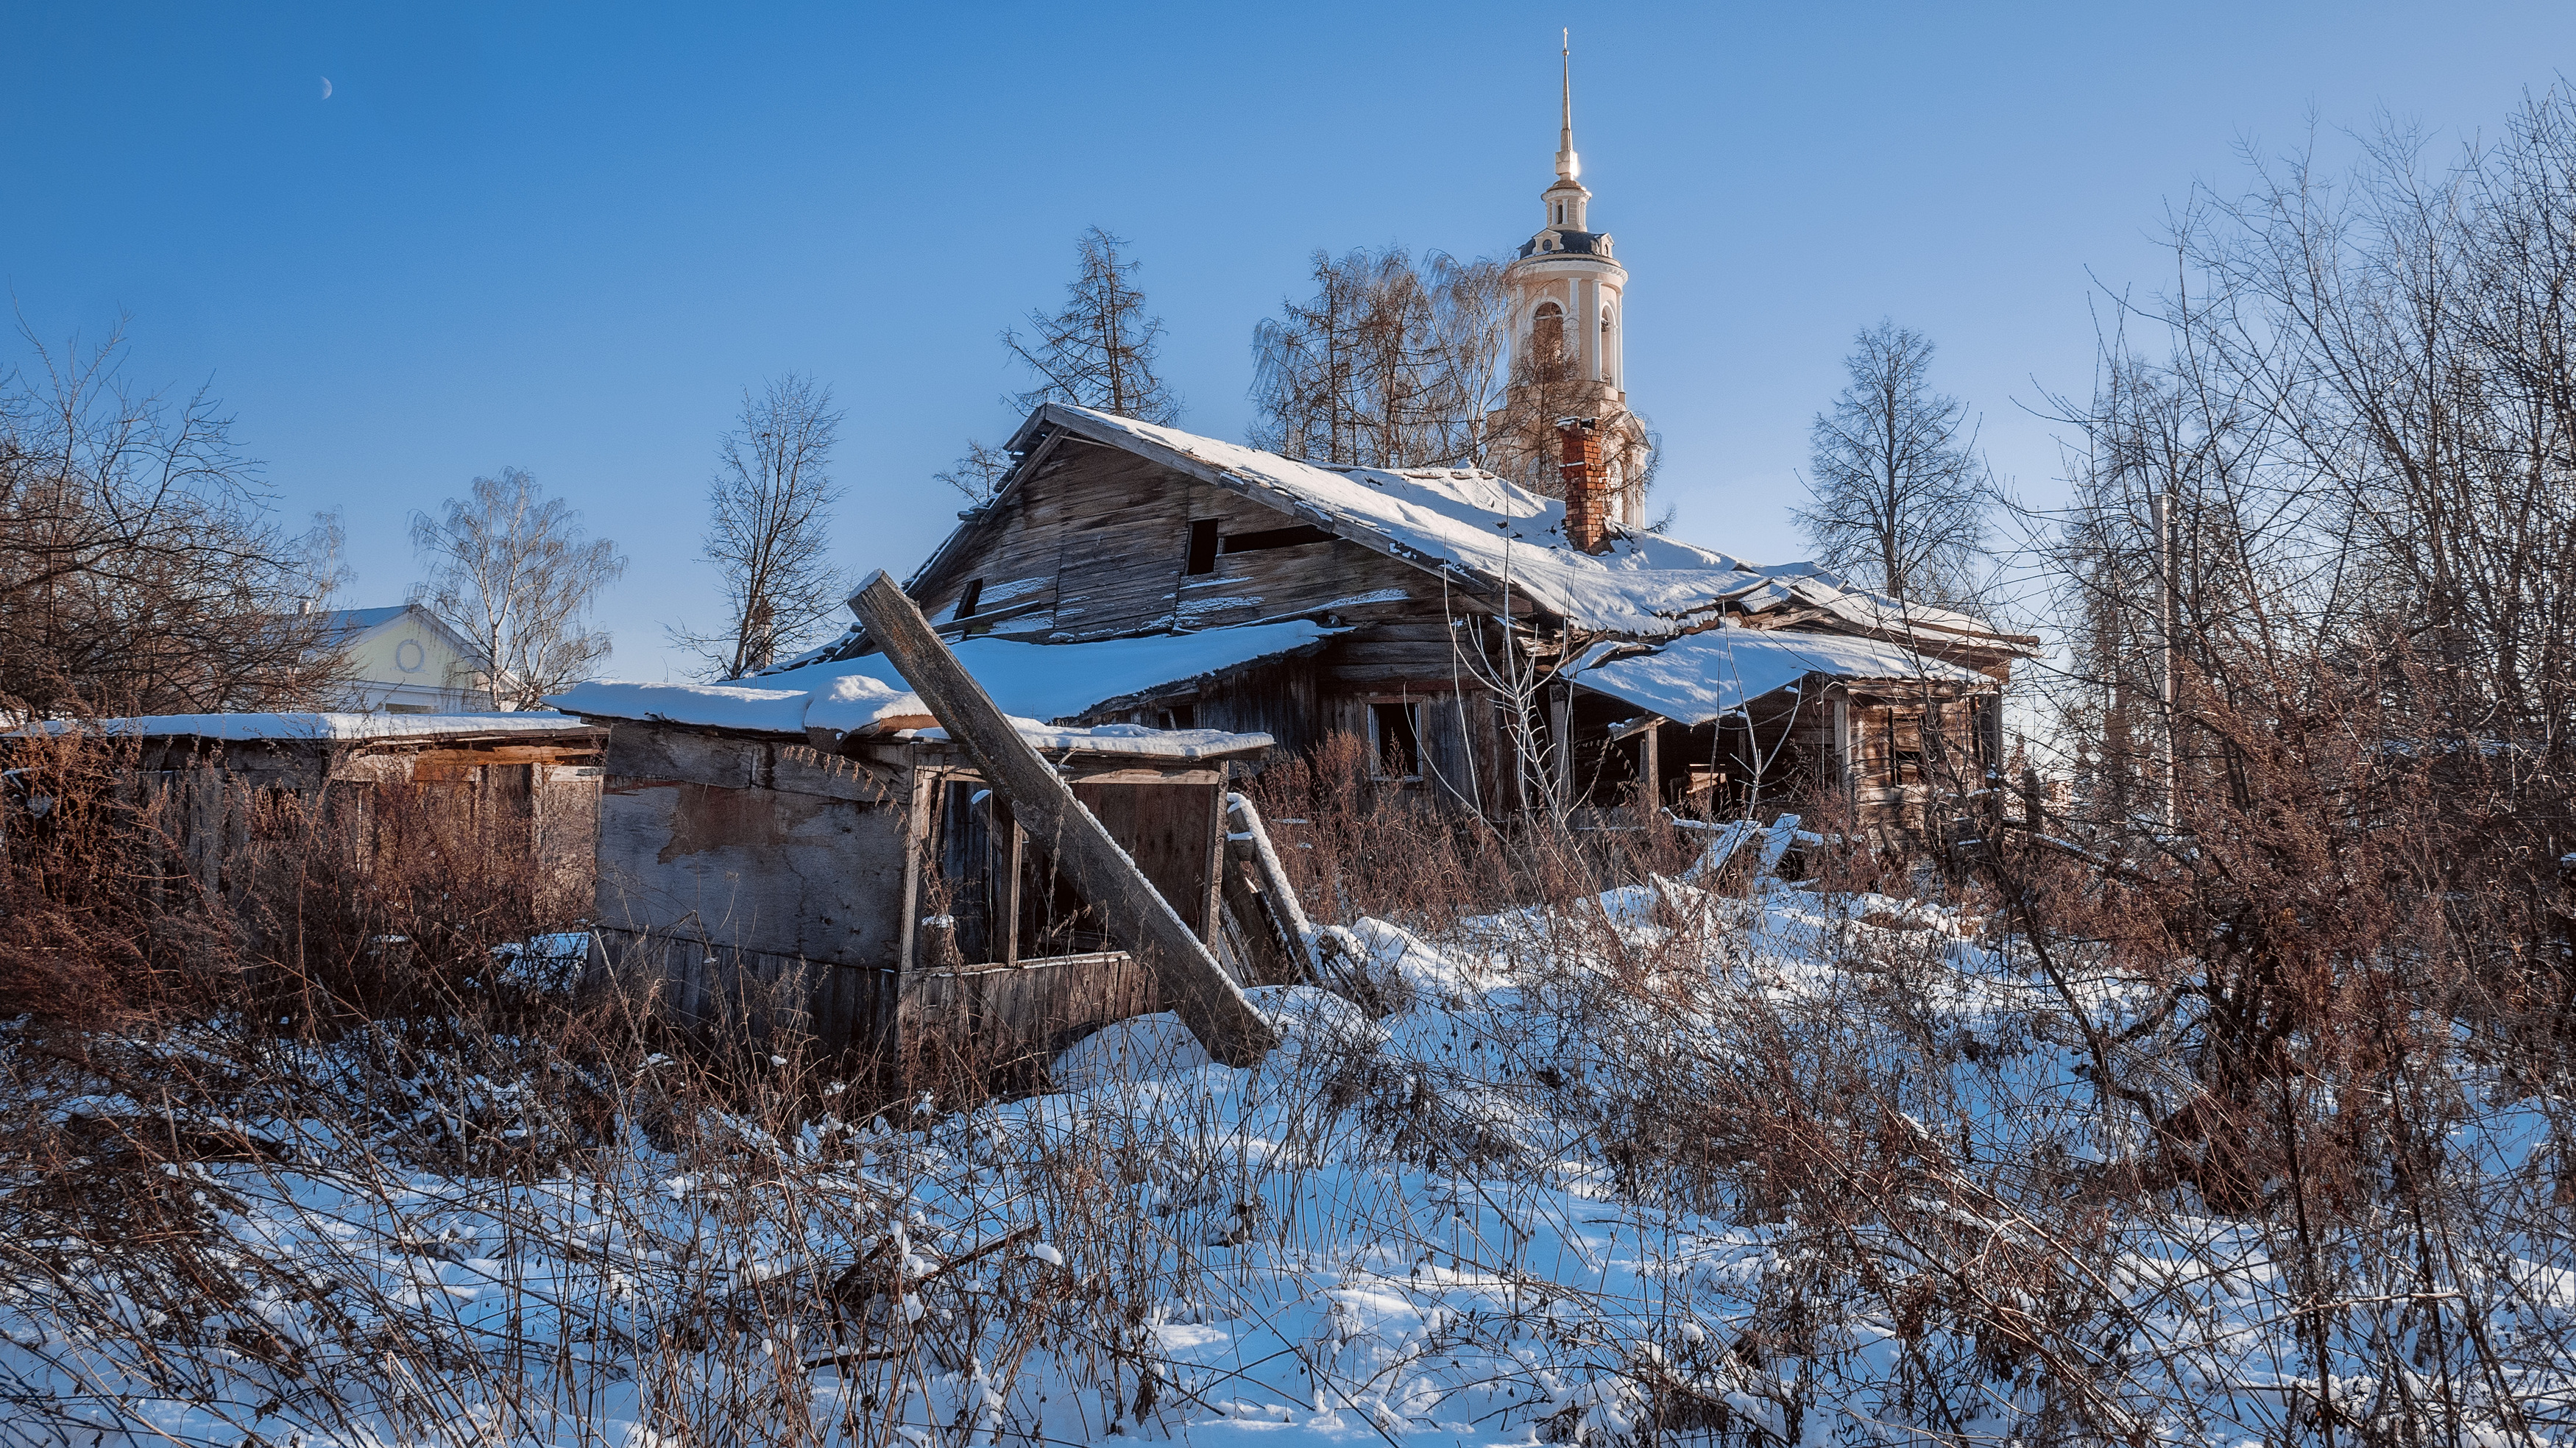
column 402, row 660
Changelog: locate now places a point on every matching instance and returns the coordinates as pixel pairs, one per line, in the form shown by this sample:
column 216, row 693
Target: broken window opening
column 1203, row 543
column 1395, row 740
column 1298, row 536
column 1904, row 746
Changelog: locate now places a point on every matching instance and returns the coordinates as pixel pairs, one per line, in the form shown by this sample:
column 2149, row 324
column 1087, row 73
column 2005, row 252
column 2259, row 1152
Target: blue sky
column 567, row 238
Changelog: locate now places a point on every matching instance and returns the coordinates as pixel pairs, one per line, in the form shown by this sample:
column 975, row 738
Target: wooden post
column 1002, row 877
column 1650, row 780
column 1650, row 796
column 1561, row 739
column 1190, row 980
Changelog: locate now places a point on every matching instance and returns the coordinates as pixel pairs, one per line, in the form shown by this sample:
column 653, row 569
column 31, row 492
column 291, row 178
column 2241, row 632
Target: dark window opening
column 1398, row 740
column 1298, row 536
column 967, row 600
column 1203, row 541
column 1904, row 746
column 1181, row 716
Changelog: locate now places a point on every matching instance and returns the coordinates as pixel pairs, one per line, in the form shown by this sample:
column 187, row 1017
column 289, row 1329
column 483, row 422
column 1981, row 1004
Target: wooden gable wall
column 1094, row 545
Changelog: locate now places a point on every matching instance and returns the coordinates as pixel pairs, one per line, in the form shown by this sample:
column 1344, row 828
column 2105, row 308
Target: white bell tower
column 1568, row 303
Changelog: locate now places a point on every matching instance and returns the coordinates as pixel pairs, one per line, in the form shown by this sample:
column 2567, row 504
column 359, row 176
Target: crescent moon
column 326, row 87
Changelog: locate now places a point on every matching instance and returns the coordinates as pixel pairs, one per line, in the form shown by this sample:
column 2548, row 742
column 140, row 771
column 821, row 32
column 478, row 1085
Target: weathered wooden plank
column 978, row 1021
column 1270, row 963
column 1075, row 775
column 798, row 769
column 667, row 753
column 1188, row 976
column 507, row 754
column 1283, row 915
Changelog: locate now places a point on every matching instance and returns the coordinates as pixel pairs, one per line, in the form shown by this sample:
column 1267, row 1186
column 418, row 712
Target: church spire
column 1566, row 199
column 1568, row 165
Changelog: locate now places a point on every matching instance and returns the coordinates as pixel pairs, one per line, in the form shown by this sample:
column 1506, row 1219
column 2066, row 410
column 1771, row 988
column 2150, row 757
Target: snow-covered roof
column 1037, row 683
column 1493, row 534
column 334, row 728
column 345, row 626
column 1708, row 675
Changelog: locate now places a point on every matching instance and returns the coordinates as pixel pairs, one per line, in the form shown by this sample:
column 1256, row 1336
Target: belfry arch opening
column 1547, row 330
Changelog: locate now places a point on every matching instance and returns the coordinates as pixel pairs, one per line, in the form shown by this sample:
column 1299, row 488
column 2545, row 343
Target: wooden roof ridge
column 1036, row 438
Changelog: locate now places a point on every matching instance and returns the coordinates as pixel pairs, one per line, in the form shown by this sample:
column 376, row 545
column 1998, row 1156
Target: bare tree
column 1098, row 349
column 1389, row 364
column 978, row 475
column 510, row 570
column 768, row 530
column 140, row 570
column 1897, row 495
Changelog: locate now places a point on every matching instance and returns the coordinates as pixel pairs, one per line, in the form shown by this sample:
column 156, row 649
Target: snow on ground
column 1428, row 1226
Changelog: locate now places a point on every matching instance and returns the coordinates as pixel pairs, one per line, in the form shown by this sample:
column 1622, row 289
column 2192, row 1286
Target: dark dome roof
column 1570, row 243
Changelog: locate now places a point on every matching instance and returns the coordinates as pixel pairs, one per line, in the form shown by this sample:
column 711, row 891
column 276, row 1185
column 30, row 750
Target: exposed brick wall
column 1586, row 488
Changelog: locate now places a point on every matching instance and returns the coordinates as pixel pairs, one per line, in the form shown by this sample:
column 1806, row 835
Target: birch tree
column 769, row 528
column 1897, row 495
column 511, row 570
column 1389, row 364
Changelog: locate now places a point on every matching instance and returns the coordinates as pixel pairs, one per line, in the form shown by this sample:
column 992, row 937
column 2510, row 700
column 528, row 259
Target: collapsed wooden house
column 824, row 864
column 1498, row 650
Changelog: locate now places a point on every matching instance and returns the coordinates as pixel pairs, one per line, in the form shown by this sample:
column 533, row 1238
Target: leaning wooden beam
column 1249, row 840
column 1191, row 982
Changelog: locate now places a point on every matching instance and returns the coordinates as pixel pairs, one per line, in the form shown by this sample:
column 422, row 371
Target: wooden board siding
column 977, row 1022
column 1909, row 747
column 211, row 797
column 754, row 845
column 764, row 998
column 1174, row 833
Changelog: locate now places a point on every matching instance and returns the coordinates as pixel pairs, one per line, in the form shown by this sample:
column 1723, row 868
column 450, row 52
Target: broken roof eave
column 1713, row 675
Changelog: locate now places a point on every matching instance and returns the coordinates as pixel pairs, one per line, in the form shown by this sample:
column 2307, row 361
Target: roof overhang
column 1709, row 675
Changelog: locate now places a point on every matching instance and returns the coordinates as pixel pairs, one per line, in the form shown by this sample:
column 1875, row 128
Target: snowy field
column 1676, row 1165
